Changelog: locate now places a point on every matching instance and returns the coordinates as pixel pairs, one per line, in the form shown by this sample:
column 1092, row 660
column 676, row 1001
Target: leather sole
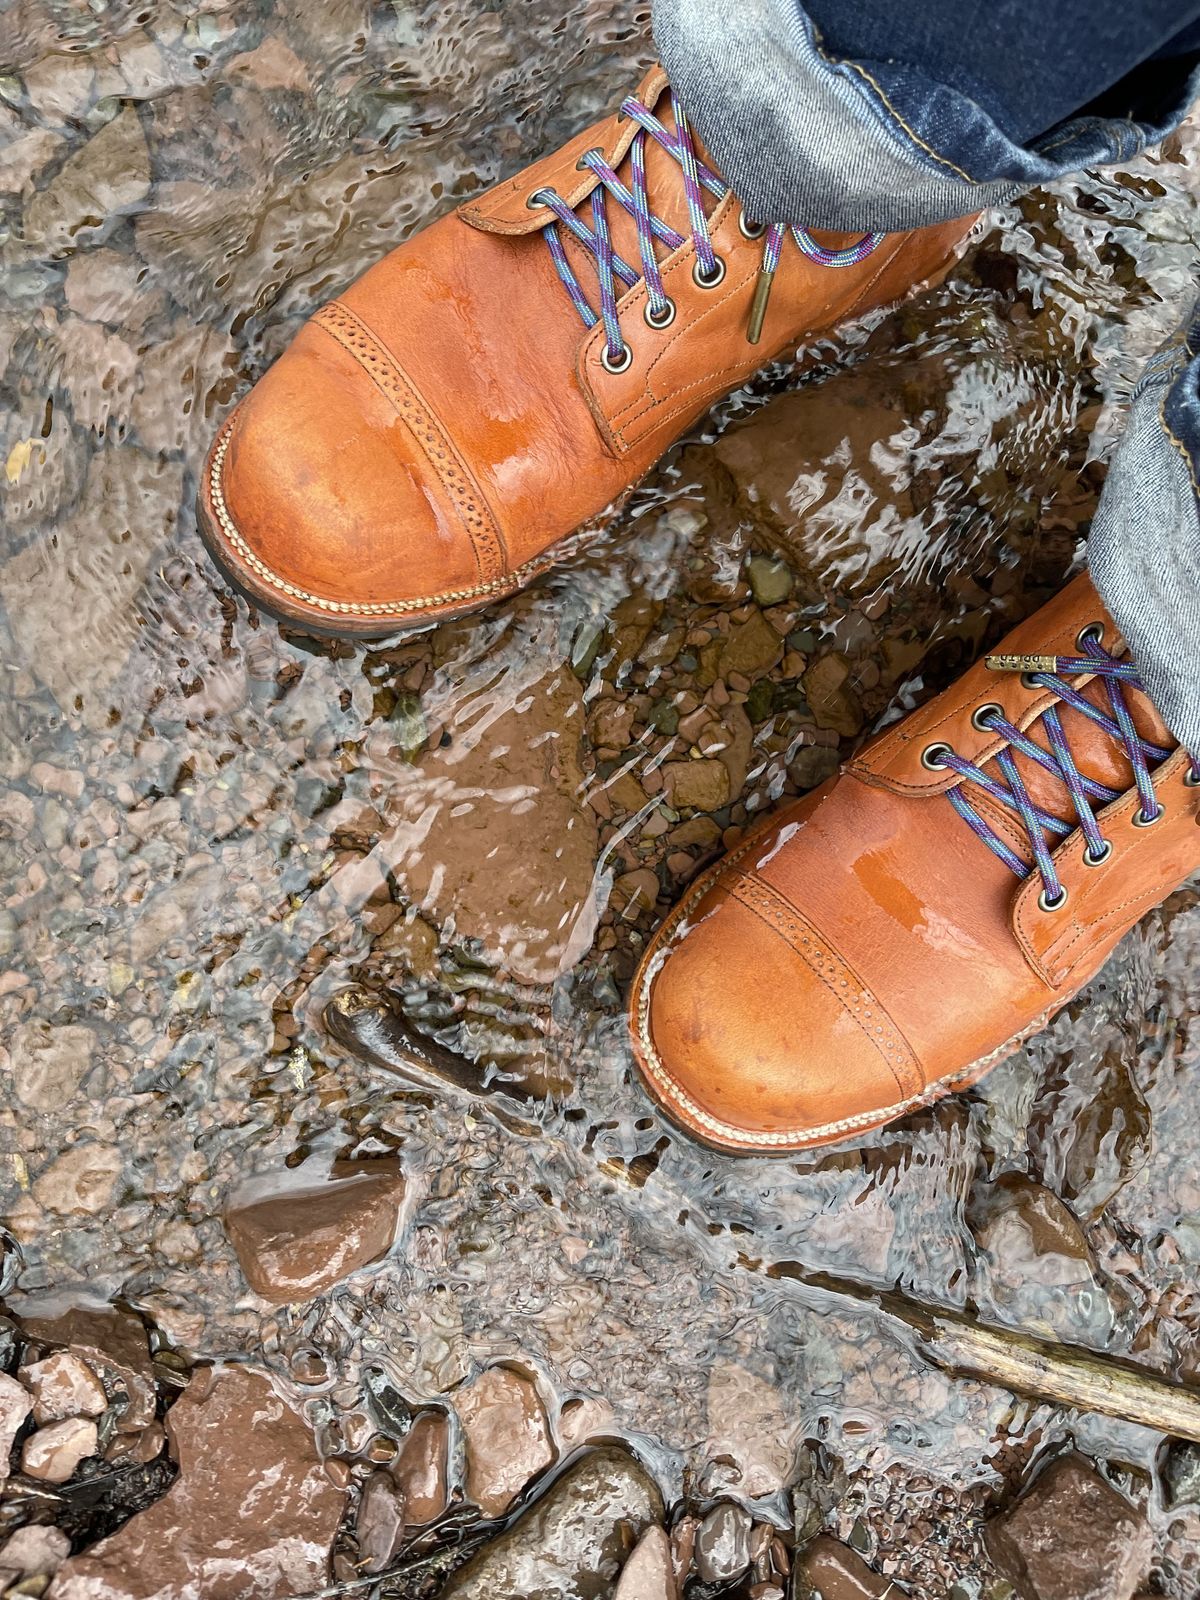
column 730, row 1139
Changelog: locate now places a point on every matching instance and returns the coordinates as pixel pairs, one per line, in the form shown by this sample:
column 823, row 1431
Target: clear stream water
column 209, row 829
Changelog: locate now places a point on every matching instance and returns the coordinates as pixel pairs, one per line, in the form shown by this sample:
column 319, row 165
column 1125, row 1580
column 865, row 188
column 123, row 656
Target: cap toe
column 328, row 502
column 752, row 1042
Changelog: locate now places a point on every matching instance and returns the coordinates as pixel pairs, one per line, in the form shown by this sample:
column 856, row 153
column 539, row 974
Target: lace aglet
column 758, row 306
column 1001, row 663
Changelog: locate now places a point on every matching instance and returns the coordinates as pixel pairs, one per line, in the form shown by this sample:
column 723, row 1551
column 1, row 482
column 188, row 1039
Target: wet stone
column 507, row 1436
column 14, row 1408
column 813, row 765
column 752, row 647
column 649, row 1574
column 831, row 1571
column 1071, row 1536
column 570, row 1544
column 696, row 785
column 723, row 1544
column 833, row 702
column 114, row 1345
column 34, row 1551
column 63, row 1386
column 103, row 180
column 770, row 581
column 1181, row 1473
column 420, row 1468
column 379, row 1525
column 296, row 1244
column 48, row 1063
column 252, row 1498
column 52, row 1454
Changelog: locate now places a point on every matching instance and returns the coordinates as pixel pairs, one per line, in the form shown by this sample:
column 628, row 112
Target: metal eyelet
column 1141, row 820
column 1094, row 632
column 748, row 229
column 664, row 320
column 1191, row 779
column 622, row 364
column 1089, row 860
column 582, row 164
column 533, row 203
column 933, row 757
column 1029, row 681
column 978, row 718
column 1046, row 904
column 712, row 280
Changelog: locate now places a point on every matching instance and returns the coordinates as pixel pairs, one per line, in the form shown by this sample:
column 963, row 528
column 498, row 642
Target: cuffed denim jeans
column 870, row 115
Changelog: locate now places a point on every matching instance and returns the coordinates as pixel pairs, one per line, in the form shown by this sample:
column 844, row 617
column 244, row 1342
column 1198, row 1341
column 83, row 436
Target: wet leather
column 866, row 951
column 433, row 433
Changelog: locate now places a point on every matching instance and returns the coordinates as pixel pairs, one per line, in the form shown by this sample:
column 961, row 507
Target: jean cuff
column 866, row 146
column 1144, row 546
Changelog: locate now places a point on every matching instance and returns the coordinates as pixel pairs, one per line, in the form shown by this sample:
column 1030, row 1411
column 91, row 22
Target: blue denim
column 867, row 115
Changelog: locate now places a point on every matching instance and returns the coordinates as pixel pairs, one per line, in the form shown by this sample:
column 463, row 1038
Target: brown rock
column 507, row 1437
column 379, row 1525
column 1032, row 1233
column 297, row 1243
column 753, row 1429
column 637, row 891
column 496, row 842
column 649, row 1574
column 568, row 1545
column 752, row 648
column 82, row 1180
column 834, row 704
column 829, row 1571
column 114, row 1345
column 420, row 1468
column 723, row 1543
column 52, row 1454
column 251, row 1516
column 49, row 1062
column 14, row 1408
column 1071, row 1537
column 696, row 785
column 63, row 1386
column 108, row 176
column 34, row 1551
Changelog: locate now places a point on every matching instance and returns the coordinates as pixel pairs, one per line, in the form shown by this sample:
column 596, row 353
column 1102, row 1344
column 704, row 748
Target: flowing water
column 211, row 830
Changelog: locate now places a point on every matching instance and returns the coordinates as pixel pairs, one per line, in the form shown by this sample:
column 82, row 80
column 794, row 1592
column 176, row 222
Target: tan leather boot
column 899, row 931
column 432, row 436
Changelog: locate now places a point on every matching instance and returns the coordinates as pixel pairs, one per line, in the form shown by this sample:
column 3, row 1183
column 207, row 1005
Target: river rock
column 80, row 1181
column 1030, row 1234
column 379, row 1525
column 829, row 1571
column 649, row 1574
column 496, row 843
column 696, row 785
column 420, row 1468
column 48, row 1062
column 507, row 1436
column 34, row 1551
column 14, row 1408
column 570, row 1544
column 723, row 1544
column 251, row 1516
column 1071, row 1536
column 752, row 1429
column 114, row 1345
column 108, row 177
column 295, row 1244
column 753, row 647
column 834, row 704
column 53, row 1453
column 63, row 1386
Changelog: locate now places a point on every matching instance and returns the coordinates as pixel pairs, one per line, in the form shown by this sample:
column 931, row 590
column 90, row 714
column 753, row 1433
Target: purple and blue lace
column 616, row 275
column 1087, row 796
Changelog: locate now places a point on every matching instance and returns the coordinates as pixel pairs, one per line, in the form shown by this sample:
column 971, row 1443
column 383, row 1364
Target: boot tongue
column 664, row 187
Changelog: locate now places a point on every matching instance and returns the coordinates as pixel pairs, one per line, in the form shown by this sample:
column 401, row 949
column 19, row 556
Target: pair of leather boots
column 432, row 441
